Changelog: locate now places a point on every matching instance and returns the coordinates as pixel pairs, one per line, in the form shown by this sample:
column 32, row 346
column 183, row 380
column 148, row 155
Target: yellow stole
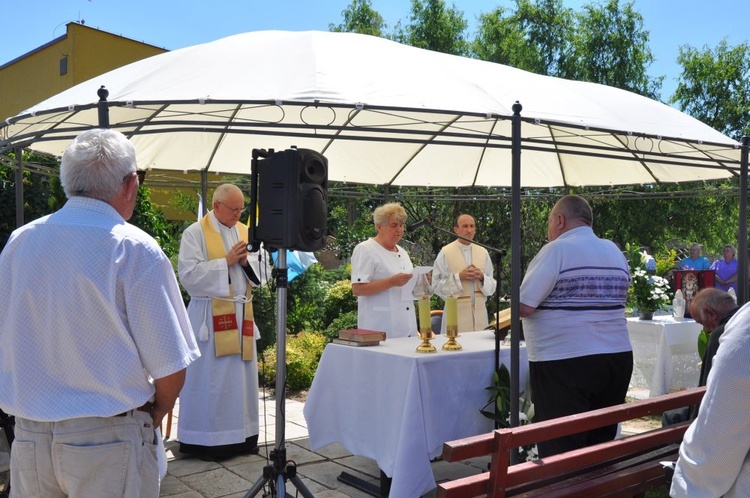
column 226, row 332
column 470, row 317
column 456, row 262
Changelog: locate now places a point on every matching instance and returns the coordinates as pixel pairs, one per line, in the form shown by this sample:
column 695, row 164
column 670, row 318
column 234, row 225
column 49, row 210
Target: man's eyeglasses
column 233, row 210
column 140, row 173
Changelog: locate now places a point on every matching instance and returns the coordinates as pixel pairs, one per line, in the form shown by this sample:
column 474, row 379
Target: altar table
column 398, row 407
column 665, row 353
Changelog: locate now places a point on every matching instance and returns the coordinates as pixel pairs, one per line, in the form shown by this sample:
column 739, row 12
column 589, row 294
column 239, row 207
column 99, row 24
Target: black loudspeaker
column 293, row 200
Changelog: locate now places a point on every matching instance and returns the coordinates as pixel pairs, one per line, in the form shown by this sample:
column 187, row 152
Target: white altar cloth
column 398, row 407
column 665, row 353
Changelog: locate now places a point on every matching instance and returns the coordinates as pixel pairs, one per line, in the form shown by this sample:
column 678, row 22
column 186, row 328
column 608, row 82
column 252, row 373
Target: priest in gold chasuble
column 471, row 264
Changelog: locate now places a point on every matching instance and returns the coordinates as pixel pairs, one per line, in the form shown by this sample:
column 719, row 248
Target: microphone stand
column 498, row 255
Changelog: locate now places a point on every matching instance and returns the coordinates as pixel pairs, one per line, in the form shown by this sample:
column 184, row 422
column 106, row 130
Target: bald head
column 228, row 203
column 572, row 211
column 709, row 307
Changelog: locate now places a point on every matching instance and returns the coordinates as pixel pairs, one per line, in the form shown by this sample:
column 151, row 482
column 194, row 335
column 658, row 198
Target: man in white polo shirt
column 95, row 337
column 573, row 301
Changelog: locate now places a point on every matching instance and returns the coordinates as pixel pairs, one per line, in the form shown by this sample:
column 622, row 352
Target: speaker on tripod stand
column 290, row 191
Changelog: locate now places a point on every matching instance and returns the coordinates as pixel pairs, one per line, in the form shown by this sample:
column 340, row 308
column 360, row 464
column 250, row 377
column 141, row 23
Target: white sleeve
column 714, row 452
column 363, row 265
column 199, row 276
column 490, row 284
column 441, row 275
column 541, row 277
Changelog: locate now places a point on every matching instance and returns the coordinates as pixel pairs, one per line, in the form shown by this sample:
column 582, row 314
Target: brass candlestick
column 425, row 327
column 451, row 327
column 422, row 291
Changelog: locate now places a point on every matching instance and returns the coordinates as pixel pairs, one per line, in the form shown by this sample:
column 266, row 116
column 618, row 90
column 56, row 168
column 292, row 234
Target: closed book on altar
column 361, row 335
column 356, row 344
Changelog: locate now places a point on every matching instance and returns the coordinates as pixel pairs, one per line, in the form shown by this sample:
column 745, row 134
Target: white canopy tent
column 446, row 119
column 387, row 114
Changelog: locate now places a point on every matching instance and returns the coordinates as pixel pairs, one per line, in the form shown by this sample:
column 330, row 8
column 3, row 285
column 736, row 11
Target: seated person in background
column 715, row 452
column 726, row 269
column 695, row 261
column 711, row 308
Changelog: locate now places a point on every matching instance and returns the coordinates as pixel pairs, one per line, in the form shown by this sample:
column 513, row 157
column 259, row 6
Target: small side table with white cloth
column 665, row 353
column 398, row 407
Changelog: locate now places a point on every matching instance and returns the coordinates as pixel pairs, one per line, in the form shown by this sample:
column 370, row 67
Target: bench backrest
column 501, row 442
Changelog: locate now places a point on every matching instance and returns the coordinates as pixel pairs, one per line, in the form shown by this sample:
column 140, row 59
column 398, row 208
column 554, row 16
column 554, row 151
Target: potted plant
column 648, row 293
column 498, row 409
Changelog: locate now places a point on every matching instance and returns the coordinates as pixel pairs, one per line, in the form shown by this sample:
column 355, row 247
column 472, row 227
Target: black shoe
column 214, row 456
column 217, row 456
column 189, row 449
column 251, row 451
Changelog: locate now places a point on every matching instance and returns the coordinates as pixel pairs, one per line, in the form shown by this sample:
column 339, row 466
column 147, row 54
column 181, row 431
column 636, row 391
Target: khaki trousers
column 91, row 457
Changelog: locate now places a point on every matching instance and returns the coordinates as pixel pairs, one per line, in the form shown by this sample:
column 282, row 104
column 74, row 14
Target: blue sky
column 174, row 24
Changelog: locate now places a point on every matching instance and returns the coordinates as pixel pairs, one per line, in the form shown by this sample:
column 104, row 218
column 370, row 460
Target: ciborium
column 422, row 292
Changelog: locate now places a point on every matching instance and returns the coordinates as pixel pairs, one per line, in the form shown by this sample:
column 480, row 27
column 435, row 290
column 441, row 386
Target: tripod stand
column 7, row 424
column 276, row 474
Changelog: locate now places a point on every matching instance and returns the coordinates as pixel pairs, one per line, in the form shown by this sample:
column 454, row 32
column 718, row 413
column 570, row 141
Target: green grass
column 662, row 492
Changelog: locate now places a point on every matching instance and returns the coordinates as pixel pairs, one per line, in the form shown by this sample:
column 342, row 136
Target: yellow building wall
column 36, row 76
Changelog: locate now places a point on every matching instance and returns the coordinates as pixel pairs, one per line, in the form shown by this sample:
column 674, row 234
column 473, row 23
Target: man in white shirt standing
column 95, row 338
column 467, row 263
column 573, row 304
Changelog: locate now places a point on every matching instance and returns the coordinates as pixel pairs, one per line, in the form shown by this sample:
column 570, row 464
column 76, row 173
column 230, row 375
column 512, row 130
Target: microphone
column 419, row 224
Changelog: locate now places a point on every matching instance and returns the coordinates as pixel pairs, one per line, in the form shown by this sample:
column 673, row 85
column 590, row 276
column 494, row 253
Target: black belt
column 147, row 407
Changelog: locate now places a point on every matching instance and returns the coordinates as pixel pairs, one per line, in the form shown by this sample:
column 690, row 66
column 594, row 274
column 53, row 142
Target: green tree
column 42, row 192
column 536, row 37
column 433, row 26
column 631, row 219
column 360, row 17
column 611, row 48
column 150, row 218
column 714, row 87
column 604, row 44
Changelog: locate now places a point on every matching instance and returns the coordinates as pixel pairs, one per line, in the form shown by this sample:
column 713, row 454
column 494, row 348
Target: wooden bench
column 624, row 467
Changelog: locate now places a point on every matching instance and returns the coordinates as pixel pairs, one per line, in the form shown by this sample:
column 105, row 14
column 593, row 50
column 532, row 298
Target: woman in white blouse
column 380, row 269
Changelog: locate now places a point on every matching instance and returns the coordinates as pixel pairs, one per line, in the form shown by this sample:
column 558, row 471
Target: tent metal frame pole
column 19, row 187
column 204, row 191
column 742, row 289
column 515, row 271
column 103, row 107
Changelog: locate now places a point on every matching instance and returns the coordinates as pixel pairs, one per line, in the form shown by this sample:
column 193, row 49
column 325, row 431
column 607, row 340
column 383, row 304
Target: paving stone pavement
column 189, row 477
column 233, row 478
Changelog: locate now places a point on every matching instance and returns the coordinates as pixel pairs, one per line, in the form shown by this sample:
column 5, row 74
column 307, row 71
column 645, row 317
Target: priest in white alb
column 219, row 403
column 463, row 261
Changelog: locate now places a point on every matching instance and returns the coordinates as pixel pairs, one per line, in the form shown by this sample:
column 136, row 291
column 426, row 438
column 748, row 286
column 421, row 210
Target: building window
column 64, row 66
